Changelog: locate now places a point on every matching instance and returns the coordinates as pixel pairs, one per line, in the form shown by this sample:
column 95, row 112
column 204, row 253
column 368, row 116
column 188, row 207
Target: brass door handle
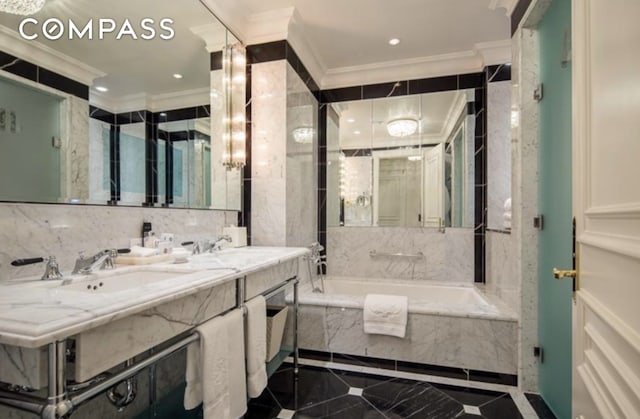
column 559, row 274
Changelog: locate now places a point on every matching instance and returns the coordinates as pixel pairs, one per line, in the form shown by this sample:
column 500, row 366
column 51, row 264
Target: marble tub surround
column 448, row 256
column 502, row 280
column 34, row 230
column 452, row 326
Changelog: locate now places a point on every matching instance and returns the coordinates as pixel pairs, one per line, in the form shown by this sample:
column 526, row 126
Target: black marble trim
column 411, row 367
column 480, row 187
column 495, row 230
column 168, row 180
column 151, row 166
column 322, row 176
column 244, row 215
column 403, row 88
column 102, row 115
column 216, row 61
column 518, row 14
column 282, row 50
column 114, row 164
column 30, row 71
column 540, row 406
column 500, row 72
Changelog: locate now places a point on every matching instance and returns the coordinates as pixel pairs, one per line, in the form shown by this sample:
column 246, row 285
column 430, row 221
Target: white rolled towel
column 256, row 344
column 143, row 252
column 215, row 373
column 386, row 315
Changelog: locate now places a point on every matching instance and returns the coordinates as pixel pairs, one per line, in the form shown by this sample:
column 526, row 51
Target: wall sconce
column 402, row 127
column 234, row 131
column 21, row 7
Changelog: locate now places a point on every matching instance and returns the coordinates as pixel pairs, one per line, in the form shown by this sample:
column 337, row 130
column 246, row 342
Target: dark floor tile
column 469, row 396
column 501, row 408
column 317, row 355
column 256, row 411
column 265, row 399
column 361, row 380
column 436, row 370
column 314, row 385
column 539, row 405
column 493, row 377
column 365, row 361
column 346, row 407
column 410, row 399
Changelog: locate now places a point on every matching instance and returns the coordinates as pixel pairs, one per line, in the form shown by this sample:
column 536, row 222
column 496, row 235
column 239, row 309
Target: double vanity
column 80, row 326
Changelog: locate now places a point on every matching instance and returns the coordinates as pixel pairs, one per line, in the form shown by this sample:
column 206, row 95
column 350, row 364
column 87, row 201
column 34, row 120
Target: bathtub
column 453, row 325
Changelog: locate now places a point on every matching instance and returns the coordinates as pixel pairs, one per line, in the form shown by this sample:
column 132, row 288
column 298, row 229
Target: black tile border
column 540, row 406
column 41, row 75
column 496, row 73
column 411, row 367
column 518, row 14
column 215, row 61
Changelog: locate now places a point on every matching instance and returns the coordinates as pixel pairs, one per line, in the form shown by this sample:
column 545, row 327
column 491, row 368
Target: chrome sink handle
column 51, row 270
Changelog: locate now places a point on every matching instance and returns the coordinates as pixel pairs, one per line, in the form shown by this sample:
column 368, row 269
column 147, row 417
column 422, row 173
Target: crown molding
column 413, row 68
column 213, row 34
column 268, row 26
column 495, row 52
column 155, row 103
column 507, row 5
column 231, row 15
column 46, row 57
column 306, row 52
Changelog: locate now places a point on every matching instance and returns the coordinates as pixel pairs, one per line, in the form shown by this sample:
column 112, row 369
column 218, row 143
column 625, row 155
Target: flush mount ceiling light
column 21, row 7
column 402, row 127
column 394, row 41
column 303, row 135
column 177, row 76
column 102, row 89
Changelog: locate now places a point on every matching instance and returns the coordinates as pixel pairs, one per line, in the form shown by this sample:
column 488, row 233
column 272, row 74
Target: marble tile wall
column 502, row 279
column 525, row 76
column 499, row 151
column 448, row 256
column 28, row 230
column 75, row 159
column 461, row 342
column 99, row 189
column 269, row 151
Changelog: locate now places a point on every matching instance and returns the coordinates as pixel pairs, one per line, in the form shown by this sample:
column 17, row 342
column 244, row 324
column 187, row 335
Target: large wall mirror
column 152, row 130
column 403, row 161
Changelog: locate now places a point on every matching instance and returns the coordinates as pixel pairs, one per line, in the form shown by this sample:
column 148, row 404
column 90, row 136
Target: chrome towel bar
column 375, row 254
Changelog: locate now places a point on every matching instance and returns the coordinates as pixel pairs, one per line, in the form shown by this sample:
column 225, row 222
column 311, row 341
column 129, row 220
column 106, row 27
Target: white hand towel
column 215, row 369
column 256, row 344
column 385, row 314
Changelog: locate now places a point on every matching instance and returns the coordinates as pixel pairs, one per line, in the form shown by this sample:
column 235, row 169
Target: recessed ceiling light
column 101, row 89
column 351, row 120
column 356, row 132
column 163, row 114
column 177, row 76
column 394, row 41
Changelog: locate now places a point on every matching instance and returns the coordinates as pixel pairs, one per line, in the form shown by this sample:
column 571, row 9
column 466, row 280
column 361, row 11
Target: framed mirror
column 127, row 112
column 401, row 161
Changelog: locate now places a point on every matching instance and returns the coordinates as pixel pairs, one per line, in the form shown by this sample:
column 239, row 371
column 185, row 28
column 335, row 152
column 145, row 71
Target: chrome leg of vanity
column 58, row 404
column 295, row 327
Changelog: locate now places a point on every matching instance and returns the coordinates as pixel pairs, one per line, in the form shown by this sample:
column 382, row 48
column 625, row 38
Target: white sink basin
column 118, row 281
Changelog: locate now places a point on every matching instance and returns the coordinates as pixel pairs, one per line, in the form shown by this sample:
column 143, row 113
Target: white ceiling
column 347, row 36
column 134, row 67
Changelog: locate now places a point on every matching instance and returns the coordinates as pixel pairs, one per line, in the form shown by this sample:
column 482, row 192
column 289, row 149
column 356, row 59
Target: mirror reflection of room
column 101, row 140
column 402, row 161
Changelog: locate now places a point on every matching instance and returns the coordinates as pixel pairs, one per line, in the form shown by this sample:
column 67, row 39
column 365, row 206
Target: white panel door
column 606, row 144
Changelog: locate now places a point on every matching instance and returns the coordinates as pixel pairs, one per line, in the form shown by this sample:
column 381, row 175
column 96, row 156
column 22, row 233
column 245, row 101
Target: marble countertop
column 34, row 313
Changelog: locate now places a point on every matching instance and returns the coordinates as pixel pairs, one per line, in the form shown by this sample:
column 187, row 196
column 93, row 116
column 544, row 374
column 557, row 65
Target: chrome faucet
column 319, row 261
column 217, row 244
column 101, row 260
column 51, row 270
